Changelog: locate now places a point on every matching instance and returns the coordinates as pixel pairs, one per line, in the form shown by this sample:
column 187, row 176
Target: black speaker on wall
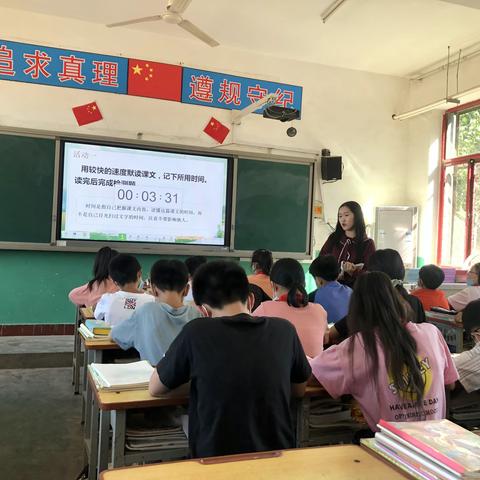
column 331, row 168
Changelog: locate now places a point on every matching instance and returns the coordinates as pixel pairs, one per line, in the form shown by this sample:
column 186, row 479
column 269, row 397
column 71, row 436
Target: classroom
column 239, row 238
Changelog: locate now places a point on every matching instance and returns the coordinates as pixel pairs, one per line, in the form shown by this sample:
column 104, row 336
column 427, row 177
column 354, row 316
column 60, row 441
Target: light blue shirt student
column 334, row 298
column 152, row 328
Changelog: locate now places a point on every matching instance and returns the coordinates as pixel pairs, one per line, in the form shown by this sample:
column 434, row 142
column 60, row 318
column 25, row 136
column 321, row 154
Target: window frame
column 470, row 161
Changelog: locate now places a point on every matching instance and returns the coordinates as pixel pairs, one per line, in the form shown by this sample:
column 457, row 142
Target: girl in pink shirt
column 101, row 283
column 309, row 319
column 395, row 369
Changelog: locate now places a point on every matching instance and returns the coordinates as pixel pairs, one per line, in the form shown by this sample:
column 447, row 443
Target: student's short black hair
column 431, row 276
column 387, row 261
column 264, row 260
column 124, row 269
column 471, row 316
column 169, row 275
column 326, row 267
column 219, row 283
column 193, row 263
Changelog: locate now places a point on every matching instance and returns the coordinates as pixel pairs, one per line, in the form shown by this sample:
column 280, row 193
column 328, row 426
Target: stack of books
column 95, row 329
column 428, row 450
column 330, row 421
column 153, row 429
column 121, row 376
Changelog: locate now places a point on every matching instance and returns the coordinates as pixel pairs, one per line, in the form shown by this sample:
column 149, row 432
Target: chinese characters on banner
column 62, row 68
column 90, row 71
column 219, row 90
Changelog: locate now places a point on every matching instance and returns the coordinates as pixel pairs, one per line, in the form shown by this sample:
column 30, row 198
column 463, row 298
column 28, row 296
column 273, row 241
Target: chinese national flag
column 154, row 80
column 88, row 113
column 218, row 131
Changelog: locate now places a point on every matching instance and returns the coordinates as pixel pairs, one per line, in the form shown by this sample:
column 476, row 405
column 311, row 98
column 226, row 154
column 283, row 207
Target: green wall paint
column 34, row 285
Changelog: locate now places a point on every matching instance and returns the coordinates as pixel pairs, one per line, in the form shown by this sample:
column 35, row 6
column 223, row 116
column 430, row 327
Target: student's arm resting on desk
column 301, row 369
column 173, row 369
column 124, row 333
column 330, row 372
column 156, row 387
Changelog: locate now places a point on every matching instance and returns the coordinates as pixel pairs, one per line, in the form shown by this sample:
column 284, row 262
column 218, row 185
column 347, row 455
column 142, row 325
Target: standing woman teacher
column 349, row 243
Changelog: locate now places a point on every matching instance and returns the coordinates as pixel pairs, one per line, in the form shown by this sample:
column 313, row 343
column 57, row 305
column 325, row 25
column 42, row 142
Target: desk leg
column 75, row 345
column 94, row 434
column 119, row 420
column 103, row 440
column 77, row 353
column 92, row 356
column 302, row 415
column 86, row 355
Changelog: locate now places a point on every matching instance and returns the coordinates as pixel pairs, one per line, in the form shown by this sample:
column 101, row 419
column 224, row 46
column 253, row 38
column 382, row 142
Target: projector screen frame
column 147, row 247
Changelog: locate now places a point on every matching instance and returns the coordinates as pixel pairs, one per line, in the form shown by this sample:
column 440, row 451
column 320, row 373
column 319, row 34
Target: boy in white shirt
column 468, row 362
column 126, row 273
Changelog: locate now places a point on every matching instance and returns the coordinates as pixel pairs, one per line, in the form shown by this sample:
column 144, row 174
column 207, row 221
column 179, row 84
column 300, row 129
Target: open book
column 121, row 376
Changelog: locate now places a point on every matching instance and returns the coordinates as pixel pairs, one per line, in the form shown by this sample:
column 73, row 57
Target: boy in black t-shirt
column 243, row 369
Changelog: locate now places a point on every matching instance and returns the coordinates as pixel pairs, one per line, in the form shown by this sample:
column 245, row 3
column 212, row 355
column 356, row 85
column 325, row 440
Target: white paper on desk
column 123, row 375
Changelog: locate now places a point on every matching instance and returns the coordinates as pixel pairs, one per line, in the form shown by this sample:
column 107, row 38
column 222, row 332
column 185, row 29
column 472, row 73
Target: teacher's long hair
column 379, row 314
column 359, row 224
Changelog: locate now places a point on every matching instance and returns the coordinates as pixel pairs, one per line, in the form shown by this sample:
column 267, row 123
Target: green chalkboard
column 26, row 188
column 272, row 203
column 272, row 207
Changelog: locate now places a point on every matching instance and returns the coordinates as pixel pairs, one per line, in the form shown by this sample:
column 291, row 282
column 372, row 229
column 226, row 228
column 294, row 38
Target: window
column 459, row 226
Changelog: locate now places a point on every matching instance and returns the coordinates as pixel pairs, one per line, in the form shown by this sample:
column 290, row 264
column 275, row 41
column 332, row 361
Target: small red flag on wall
column 88, row 113
column 216, row 130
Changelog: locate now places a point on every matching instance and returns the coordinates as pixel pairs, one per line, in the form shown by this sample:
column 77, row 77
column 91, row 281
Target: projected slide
column 133, row 195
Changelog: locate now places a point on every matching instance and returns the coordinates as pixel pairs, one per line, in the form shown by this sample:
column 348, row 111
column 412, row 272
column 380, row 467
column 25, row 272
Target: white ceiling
column 394, row 37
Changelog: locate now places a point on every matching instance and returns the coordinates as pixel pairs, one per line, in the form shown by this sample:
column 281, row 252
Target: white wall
column 347, row 111
column 424, row 149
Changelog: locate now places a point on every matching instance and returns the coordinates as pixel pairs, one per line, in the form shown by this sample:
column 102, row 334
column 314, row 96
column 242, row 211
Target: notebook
column 122, row 376
column 443, row 442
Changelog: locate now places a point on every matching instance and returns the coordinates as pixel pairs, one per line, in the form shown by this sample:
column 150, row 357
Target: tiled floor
column 40, row 431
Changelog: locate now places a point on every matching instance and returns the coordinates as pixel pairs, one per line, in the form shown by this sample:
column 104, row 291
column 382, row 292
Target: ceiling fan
column 173, row 14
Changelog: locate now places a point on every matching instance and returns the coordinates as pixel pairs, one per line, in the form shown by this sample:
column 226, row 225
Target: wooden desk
column 110, row 408
column 93, row 352
column 452, row 331
column 81, row 314
column 342, row 462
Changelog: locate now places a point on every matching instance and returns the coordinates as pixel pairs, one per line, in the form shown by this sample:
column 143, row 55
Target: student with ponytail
column 291, row 302
column 396, row 370
column 90, row 293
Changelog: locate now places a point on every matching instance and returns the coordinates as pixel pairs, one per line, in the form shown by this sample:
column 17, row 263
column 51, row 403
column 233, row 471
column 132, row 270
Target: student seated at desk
column 192, row 264
column 331, row 294
column 153, row 327
column 390, row 262
column 262, row 261
column 309, row 319
column 468, row 363
column 461, row 299
column 396, row 370
column 126, row 273
column 243, row 369
column 430, row 277
column 90, row 293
